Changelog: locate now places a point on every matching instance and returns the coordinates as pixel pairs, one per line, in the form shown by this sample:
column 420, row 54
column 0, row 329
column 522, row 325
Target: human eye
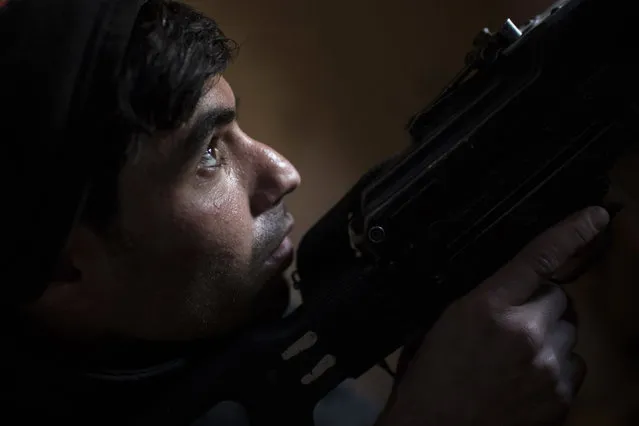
column 212, row 158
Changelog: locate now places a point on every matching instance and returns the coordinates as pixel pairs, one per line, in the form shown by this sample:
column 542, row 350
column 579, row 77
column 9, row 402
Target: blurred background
column 331, row 85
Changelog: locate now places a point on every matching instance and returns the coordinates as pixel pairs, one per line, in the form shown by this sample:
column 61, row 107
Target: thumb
column 538, row 261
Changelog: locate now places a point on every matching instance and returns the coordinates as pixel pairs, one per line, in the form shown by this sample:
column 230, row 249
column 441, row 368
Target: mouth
column 282, row 257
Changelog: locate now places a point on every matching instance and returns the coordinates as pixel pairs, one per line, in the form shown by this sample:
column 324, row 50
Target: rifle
column 525, row 135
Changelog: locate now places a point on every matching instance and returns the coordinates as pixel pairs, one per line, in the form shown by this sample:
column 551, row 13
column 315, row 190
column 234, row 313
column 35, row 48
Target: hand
column 502, row 355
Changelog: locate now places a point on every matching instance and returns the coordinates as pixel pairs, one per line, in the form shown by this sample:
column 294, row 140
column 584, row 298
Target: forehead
column 217, row 93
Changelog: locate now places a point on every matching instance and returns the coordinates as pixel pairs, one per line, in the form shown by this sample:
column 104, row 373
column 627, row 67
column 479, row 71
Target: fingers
column 572, row 376
column 562, row 339
column 583, row 260
column 518, row 280
column 557, row 357
column 546, row 307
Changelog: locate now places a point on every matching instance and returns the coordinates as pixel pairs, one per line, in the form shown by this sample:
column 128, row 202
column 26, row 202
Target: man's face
column 201, row 243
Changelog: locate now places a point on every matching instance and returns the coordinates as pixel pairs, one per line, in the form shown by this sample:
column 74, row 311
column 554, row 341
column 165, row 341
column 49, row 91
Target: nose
column 274, row 178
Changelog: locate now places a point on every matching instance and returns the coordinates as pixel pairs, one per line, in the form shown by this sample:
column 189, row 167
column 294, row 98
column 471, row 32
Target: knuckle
column 482, row 305
column 584, row 230
column 548, row 367
column 525, row 333
column 547, row 253
column 548, row 362
column 546, row 261
column 533, row 332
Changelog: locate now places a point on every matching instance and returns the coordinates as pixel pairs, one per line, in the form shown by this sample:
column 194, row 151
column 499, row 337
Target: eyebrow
column 204, row 126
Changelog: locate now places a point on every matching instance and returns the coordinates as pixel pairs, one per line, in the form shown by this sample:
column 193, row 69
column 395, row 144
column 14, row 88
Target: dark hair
column 174, row 50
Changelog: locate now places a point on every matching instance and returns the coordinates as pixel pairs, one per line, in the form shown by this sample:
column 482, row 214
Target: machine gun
column 524, row 136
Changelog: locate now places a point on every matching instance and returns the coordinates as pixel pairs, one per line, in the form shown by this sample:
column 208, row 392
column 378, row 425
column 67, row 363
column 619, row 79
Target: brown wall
column 331, row 83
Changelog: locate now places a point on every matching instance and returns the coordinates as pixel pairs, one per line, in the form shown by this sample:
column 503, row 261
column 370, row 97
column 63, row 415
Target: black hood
column 58, row 64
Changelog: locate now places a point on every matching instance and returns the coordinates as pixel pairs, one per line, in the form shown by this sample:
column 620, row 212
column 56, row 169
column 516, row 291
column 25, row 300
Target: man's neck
column 94, row 354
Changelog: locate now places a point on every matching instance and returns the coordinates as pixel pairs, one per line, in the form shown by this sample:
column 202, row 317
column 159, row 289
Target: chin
column 273, row 299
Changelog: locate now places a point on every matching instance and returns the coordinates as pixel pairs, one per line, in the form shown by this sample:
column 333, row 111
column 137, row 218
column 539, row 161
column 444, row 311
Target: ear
column 72, row 296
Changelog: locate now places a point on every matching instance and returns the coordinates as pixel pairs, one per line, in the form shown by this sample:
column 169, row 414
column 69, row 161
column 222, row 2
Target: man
column 149, row 224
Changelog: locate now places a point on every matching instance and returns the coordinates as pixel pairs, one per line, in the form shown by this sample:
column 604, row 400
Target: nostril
column 261, row 202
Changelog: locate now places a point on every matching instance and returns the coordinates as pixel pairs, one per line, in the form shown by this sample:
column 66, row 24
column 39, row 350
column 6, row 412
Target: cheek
column 220, row 219
column 191, row 228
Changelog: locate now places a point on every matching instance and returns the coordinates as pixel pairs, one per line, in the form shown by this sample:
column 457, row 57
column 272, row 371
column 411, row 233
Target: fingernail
column 600, row 217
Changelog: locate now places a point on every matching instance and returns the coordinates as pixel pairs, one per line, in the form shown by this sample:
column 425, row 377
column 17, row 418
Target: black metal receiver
column 524, row 136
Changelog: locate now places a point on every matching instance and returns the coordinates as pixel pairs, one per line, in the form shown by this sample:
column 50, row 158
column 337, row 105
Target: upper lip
column 291, row 224
column 287, row 232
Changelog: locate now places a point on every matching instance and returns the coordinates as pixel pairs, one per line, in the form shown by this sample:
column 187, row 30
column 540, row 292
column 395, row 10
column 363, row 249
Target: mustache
column 274, row 225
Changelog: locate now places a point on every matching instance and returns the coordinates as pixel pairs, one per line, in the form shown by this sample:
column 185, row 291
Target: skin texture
column 191, row 251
